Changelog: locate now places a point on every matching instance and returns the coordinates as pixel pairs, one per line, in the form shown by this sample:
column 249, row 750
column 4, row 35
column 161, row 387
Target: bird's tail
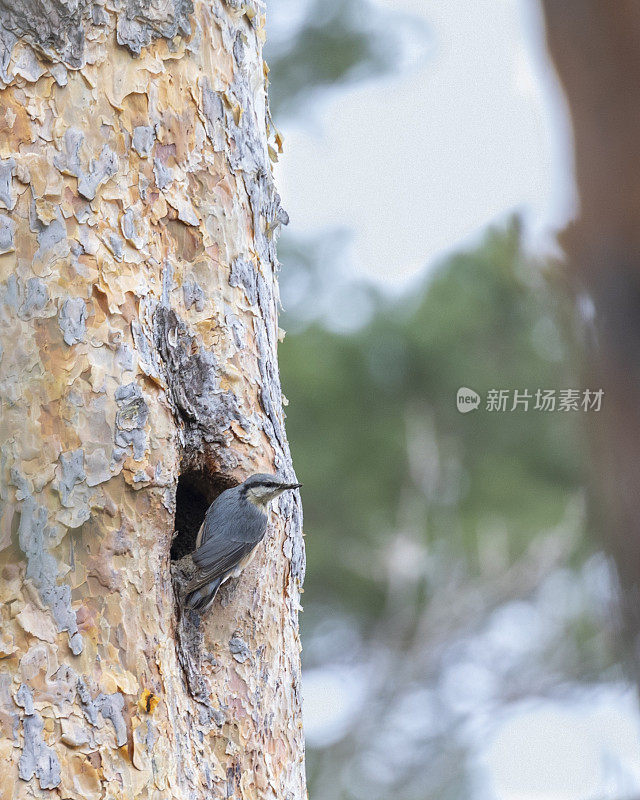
column 201, row 599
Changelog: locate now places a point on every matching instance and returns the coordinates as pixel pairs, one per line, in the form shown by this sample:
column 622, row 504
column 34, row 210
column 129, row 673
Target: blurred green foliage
column 427, row 530
column 335, row 43
column 485, row 319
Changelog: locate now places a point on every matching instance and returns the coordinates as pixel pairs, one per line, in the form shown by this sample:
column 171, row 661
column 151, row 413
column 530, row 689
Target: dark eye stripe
column 265, row 485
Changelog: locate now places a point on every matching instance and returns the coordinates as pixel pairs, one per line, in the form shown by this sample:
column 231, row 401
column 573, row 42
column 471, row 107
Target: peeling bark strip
column 138, row 336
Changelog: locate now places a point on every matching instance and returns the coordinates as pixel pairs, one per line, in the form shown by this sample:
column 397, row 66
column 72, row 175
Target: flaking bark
column 138, row 334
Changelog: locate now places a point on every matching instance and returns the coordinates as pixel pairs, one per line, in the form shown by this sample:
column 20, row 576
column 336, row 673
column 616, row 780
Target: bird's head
column 260, row 489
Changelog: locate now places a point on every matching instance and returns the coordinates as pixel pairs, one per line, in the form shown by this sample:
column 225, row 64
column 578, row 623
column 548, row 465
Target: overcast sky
column 420, row 162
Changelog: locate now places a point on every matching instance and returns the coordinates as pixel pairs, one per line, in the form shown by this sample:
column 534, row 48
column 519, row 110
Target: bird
column 235, row 523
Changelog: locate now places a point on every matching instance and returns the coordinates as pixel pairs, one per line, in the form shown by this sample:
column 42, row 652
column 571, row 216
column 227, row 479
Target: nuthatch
column 234, row 524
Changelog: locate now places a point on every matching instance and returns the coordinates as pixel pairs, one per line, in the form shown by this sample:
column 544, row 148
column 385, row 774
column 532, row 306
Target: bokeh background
column 459, row 630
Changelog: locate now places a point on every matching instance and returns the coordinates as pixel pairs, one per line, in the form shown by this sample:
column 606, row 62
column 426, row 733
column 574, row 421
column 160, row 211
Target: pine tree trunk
column 138, row 378
column 596, row 50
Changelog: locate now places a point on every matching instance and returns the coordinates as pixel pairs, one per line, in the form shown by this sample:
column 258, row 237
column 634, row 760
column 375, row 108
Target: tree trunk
column 138, row 378
column 595, row 46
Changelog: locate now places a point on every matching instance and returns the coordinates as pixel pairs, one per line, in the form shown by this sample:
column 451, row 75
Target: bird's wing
column 215, row 564
column 229, row 520
column 227, row 537
column 199, row 536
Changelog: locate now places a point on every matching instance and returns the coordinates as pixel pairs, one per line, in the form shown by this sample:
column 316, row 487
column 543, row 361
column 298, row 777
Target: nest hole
column 196, row 490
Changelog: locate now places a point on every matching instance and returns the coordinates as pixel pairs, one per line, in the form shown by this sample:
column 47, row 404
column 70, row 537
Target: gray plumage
column 234, row 524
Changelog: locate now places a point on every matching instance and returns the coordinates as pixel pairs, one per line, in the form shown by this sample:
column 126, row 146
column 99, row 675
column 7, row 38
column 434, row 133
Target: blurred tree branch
column 595, row 46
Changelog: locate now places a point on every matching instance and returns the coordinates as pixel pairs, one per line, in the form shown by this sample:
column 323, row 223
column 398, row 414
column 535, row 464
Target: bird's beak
column 286, row 486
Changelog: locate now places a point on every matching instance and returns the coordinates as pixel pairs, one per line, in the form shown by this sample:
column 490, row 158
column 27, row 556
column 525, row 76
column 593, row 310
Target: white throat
column 259, row 502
